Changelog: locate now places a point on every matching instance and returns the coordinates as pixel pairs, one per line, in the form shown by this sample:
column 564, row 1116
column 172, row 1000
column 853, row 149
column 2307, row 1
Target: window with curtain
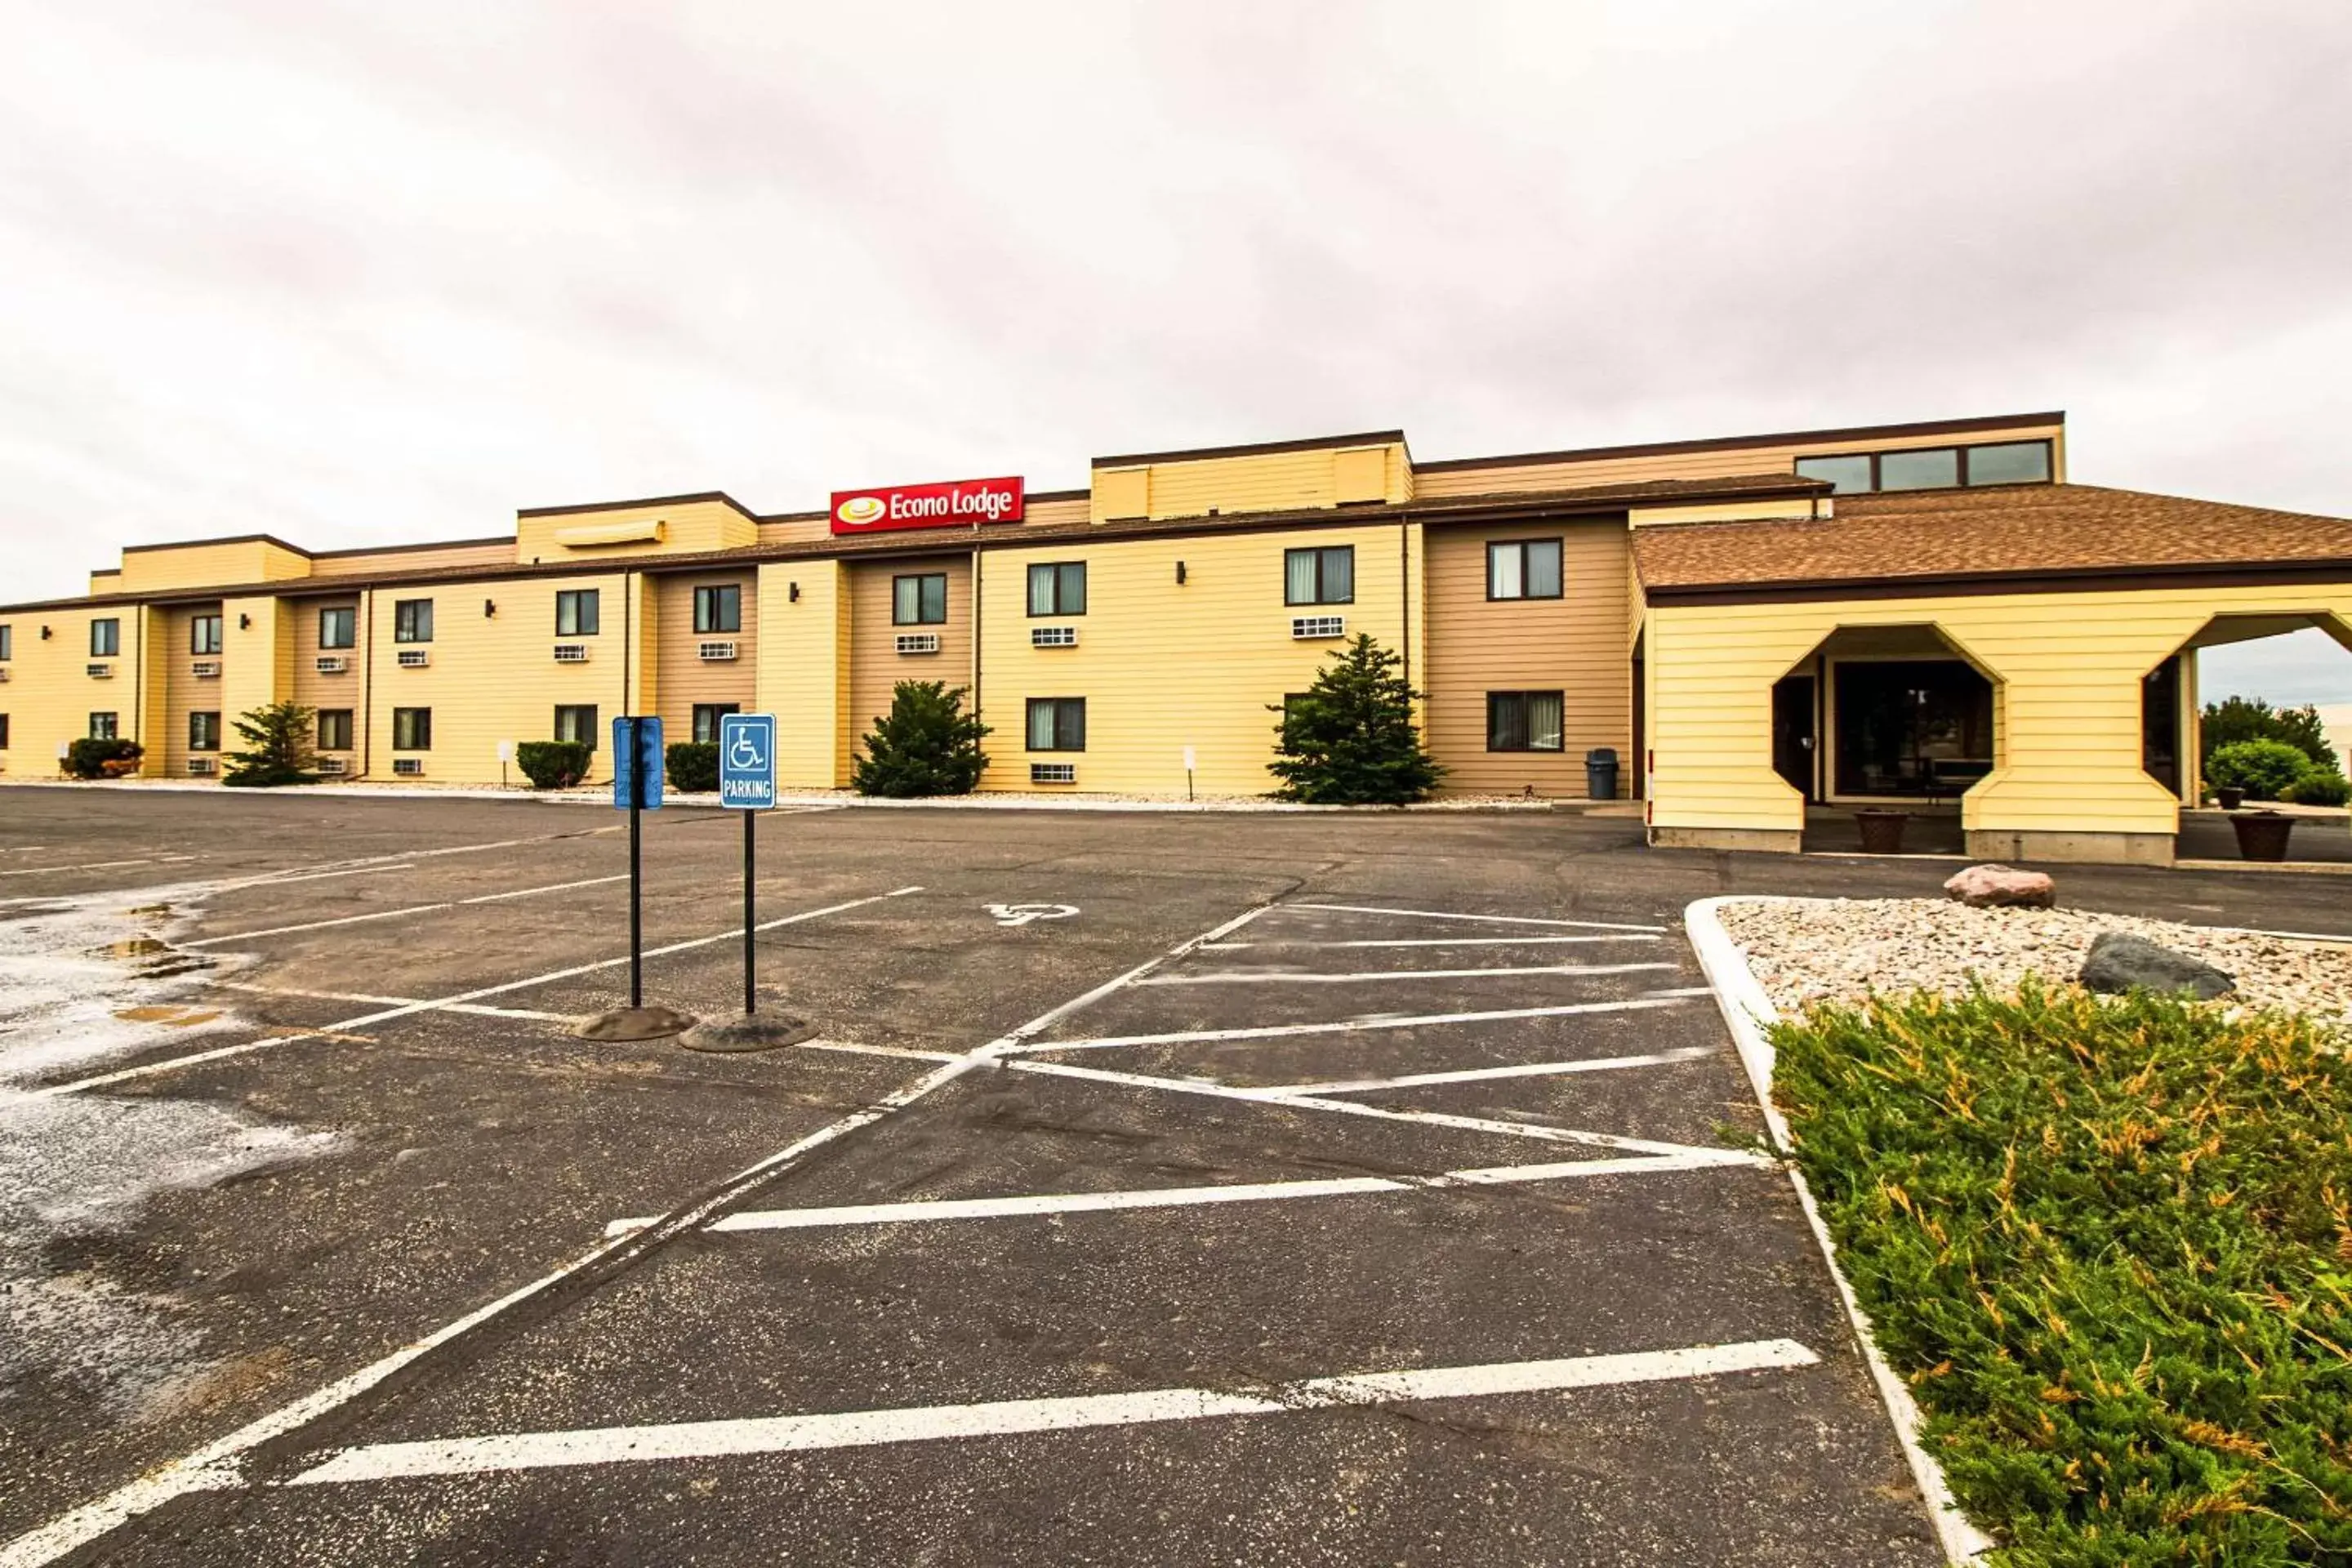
column 1057, row 723
column 1523, row 569
column 706, row 721
column 578, row 612
column 338, row 627
column 204, row 731
column 105, row 640
column 203, row 634
column 1323, row 575
column 1057, row 588
column 101, row 727
column 411, row 728
column 718, row 607
column 1523, row 721
column 334, row 729
column 920, row 601
column 412, row 621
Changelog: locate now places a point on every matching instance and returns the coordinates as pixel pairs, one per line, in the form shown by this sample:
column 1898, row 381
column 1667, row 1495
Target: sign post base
column 751, row 1032
column 623, row 1025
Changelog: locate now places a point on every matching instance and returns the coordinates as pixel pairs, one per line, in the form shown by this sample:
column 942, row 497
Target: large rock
column 2119, row 961
column 2001, row 886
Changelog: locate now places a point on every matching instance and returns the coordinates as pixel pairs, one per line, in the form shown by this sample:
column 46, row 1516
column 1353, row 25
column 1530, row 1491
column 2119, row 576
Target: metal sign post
column 637, row 789
column 746, row 783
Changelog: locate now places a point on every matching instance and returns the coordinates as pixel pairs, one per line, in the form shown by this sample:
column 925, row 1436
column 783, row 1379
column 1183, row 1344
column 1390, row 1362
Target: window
column 1057, row 588
column 204, row 634
column 1523, row 569
column 4, row 731
column 105, row 638
column 1523, row 721
column 1933, row 468
column 340, row 627
column 577, row 721
column 719, row 608
column 706, row 721
column 411, row 728
column 1323, row 576
column 8, row 642
column 576, row 613
column 204, row 731
column 334, row 729
column 1057, row 723
column 920, row 601
column 412, row 621
column 101, row 727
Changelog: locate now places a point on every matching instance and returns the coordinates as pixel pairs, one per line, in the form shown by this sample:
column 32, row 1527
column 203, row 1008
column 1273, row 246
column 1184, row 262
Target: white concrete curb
column 1748, row 1012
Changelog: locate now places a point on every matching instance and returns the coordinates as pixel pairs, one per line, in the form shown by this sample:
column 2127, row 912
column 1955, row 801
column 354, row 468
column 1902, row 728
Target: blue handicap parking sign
column 637, row 762
column 747, row 761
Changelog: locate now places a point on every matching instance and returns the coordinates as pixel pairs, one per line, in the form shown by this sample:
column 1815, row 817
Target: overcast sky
column 360, row 273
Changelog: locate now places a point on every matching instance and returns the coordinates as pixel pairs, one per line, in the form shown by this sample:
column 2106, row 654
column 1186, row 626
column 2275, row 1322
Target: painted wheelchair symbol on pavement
column 1021, row 914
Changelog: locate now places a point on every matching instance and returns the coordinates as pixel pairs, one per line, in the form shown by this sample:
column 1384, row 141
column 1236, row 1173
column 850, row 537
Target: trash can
column 1600, row 773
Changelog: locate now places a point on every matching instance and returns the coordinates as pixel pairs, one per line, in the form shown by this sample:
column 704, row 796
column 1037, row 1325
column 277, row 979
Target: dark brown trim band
column 199, row 543
column 1251, row 449
column 402, row 549
column 720, row 496
column 2075, row 580
column 1777, row 438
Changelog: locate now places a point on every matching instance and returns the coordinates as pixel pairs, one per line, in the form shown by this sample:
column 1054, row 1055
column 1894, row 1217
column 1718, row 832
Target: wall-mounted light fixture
column 45, row 634
column 244, row 622
column 490, row 608
column 796, row 597
column 1179, row 572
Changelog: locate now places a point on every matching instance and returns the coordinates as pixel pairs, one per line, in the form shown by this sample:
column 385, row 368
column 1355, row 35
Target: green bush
column 927, row 744
column 2261, row 768
column 1350, row 740
column 2317, row 788
column 278, row 735
column 2238, row 719
column 555, row 764
column 2107, row 1243
column 692, row 766
column 94, row 759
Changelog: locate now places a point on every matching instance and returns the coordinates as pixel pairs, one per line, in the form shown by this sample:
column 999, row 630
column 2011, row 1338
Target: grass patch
column 2107, row 1243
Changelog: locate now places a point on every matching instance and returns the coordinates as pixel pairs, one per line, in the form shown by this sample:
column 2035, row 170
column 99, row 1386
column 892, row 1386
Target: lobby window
column 1523, row 720
column 411, row 728
column 1933, row 468
column 2007, row 463
column 204, row 731
column 1057, row 723
column 338, row 627
column 204, row 634
column 706, row 721
column 101, row 727
column 1523, row 569
column 576, row 613
column 412, row 621
column 719, row 608
column 1057, row 588
column 1325, row 576
column 334, row 729
column 576, row 721
column 1856, row 475
column 920, row 601
column 105, row 638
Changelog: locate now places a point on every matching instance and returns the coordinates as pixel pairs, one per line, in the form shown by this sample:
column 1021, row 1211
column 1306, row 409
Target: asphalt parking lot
column 1232, row 1188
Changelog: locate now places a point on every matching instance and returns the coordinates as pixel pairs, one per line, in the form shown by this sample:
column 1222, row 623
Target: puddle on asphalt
column 132, row 947
column 178, row 1017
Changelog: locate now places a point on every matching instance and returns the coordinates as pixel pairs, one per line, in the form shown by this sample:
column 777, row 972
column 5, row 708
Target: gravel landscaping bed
column 1808, row 951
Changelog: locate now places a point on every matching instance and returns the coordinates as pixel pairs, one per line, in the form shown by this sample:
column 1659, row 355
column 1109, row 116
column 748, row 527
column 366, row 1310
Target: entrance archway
column 2221, row 696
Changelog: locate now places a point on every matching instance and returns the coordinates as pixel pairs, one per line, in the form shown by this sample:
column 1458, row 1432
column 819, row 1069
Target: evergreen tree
column 2241, row 719
column 279, row 735
column 927, row 744
column 1349, row 738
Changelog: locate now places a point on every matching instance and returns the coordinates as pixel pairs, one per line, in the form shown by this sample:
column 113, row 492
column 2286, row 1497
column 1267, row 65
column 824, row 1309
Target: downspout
column 367, row 679
column 975, row 631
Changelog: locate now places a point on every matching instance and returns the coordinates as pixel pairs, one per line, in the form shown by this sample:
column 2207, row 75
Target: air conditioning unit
column 415, row 657
column 334, row 767
column 1052, row 772
column 333, row 664
column 408, row 767
column 99, row 671
column 714, row 652
column 205, row 670
column 572, row 653
column 1053, row 636
column 201, row 767
column 918, row 642
column 1303, row 627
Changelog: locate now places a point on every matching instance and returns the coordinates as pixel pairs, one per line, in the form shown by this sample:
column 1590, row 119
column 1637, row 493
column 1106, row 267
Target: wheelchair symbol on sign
column 745, row 752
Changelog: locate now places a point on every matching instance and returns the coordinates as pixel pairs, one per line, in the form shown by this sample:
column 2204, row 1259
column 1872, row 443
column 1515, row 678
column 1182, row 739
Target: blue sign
column 637, row 762
column 747, row 761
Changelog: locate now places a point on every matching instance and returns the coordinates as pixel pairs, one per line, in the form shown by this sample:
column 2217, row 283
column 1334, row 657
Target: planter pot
column 2262, row 835
column 1882, row 831
column 2230, row 799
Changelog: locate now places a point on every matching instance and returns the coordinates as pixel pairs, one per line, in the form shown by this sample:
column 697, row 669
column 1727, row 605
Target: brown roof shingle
column 2020, row 530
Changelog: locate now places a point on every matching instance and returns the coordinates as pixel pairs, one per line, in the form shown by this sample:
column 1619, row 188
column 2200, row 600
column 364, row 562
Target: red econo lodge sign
column 958, row 503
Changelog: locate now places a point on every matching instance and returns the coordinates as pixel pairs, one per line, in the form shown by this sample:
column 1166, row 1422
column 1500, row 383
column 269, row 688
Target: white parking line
column 1279, row 977
column 98, row 865
column 344, row 871
column 1184, row 1197
column 1433, row 942
column 469, row 1007
column 866, row 1428
column 409, row 909
column 1479, row 1075
column 1492, row 919
column 1674, row 998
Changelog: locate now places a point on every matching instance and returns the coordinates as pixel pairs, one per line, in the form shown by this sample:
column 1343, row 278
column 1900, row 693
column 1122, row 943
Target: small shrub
column 1350, row 740
column 94, row 759
column 555, row 764
column 693, row 765
column 927, row 744
column 2317, row 788
column 2261, row 768
column 2251, row 719
column 278, row 735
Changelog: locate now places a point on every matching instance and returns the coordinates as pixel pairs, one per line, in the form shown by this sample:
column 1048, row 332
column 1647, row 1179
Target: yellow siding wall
column 1729, row 512
column 105, row 582
column 1162, row 665
column 312, row 689
column 813, row 528
column 685, row 527
column 682, row 678
column 1263, row 482
column 803, row 669
column 2067, row 668
column 876, row 664
column 165, row 567
column 48, row 698
column 1574, row 644
column 257, row 663
column 183, row 693
column 442, row 558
